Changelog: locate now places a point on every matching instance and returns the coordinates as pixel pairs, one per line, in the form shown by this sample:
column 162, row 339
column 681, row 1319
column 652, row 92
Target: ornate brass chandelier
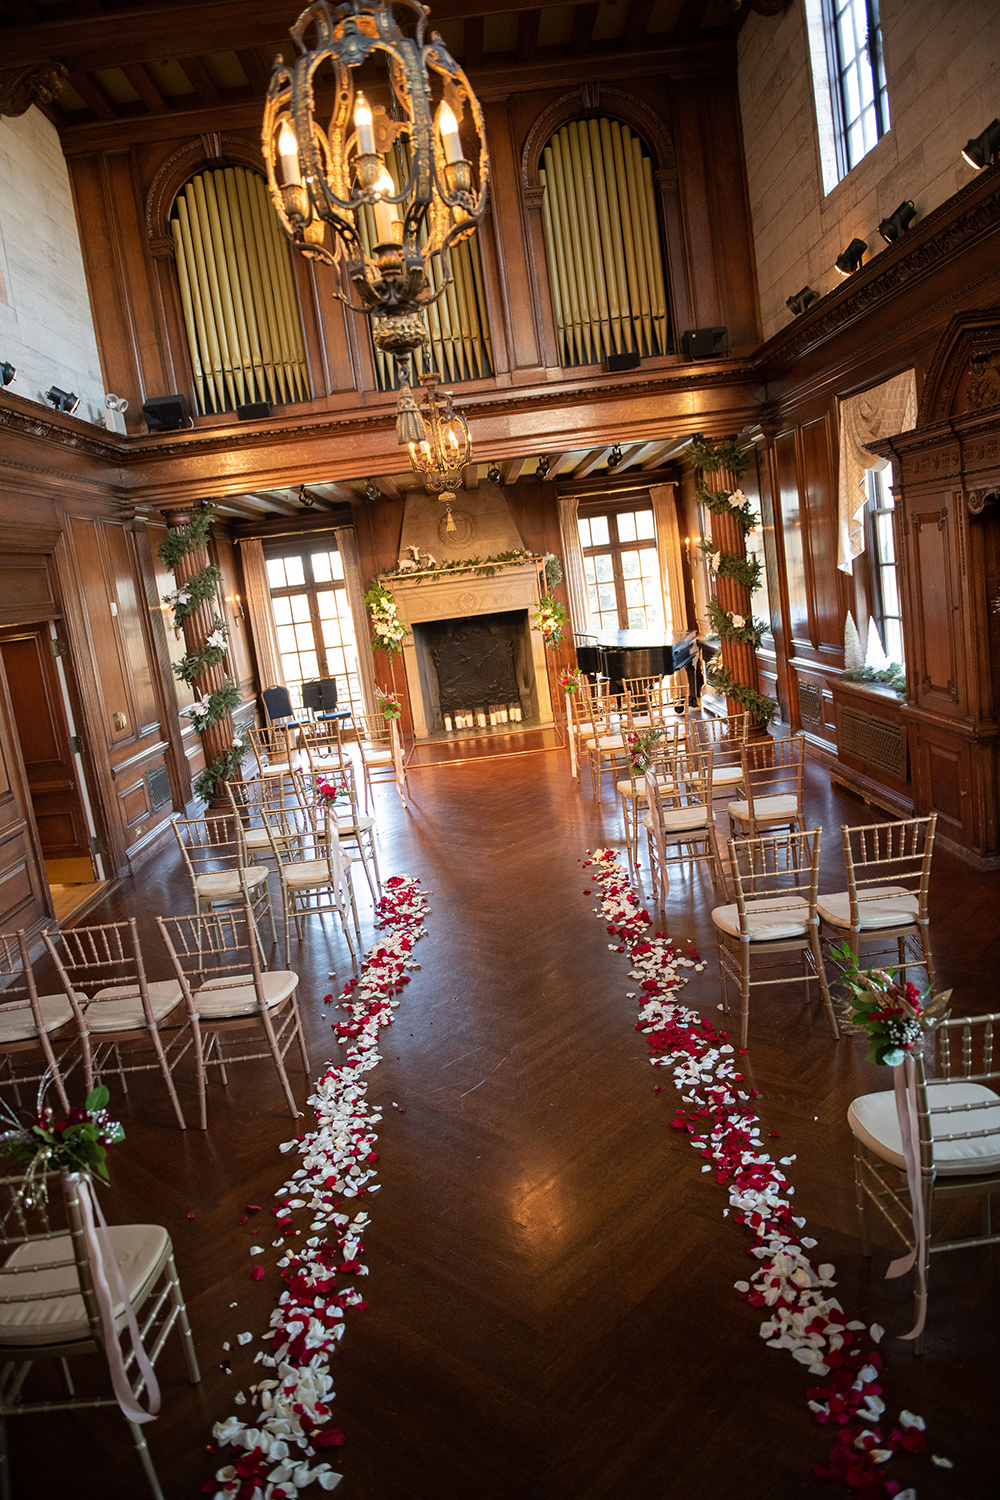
column 440, row 456
column 427, row 127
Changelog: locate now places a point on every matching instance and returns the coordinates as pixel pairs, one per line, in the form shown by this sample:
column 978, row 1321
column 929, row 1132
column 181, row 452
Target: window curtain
column 668, row 547
column 865, row 418
column 348, row 549
column 573, row 574
column 260, row 614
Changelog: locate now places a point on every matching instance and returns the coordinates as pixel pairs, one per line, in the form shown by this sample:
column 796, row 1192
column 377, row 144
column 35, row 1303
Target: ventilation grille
column 158, row 787
column 810, row 703
column 873, row 741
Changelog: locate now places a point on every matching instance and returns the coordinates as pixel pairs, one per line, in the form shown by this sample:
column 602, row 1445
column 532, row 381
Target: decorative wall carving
column 204, row 151
column 615, row 102
column 20, row 88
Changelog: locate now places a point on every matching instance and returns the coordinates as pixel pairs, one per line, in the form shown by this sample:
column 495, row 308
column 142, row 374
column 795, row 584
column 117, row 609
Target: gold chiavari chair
column 275, row 748
column 356, row 829
column 212, row 851
column 632, row 791
column 314, row 871
column 888, row 882
column 254, row 802
column 232, row 1002
column 34, row 1029
column 605, row 748
column 375, row 746
column 323, row 746
column 776, row 880
column 117, row 1007
column 772, row 787
column 958, row 1117
column 726, row 738
column 679, row 812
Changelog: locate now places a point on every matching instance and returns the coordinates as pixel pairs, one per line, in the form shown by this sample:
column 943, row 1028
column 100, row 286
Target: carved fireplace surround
column 514, row 586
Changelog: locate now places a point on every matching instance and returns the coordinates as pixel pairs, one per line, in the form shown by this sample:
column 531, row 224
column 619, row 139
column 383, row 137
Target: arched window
column 458, row 328
column 602, row 236
column 237, row 291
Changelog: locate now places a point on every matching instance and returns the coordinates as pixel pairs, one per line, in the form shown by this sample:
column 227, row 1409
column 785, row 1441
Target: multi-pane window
column 857, row 78
column 886, row 610
column 621, row 566
column 313, row 622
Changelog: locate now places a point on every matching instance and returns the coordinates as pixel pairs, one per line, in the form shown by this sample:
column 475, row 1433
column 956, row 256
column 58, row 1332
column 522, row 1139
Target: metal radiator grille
column 873, row 740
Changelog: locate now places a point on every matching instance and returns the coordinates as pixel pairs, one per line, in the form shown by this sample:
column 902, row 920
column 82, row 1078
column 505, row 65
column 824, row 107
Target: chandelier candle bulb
column 450, row 139
column 288, row 155
column 363, row 125
column 386, row 215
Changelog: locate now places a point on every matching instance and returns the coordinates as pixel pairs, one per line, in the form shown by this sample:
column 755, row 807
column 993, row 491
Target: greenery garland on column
column 710, row 458
column 204, row 713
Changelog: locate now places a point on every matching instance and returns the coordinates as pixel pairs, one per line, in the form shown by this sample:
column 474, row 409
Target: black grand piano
column 617, row 654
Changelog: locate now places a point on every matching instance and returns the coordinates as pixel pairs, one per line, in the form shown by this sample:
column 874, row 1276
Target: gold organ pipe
column 188, row 306
column 465, row 301
column 555, row 260
column 267, row 276
column 648, row 230
column 245, row 282
column 213, row 346
column 265, row 320
column 214, row 304
column 658, row 292
column 216, row 244
column 604, row 229
column 593, row 228
column 552, row 215
column 628, row 241
column 615, row 221
column 280, row 288
column 578, row 219
column 637, row 236
column 569, row 247
column 483, row 312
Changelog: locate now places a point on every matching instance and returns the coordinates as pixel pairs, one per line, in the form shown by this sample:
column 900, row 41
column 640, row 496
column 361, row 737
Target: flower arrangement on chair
column 329, row 788
column 77, row 1143
column 642, row 744
column 570, row 680
column 893, row 1013
column 389, row 704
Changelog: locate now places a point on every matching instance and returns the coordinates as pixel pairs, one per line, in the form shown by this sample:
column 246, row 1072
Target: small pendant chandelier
column 441, row 455
column 320, row 176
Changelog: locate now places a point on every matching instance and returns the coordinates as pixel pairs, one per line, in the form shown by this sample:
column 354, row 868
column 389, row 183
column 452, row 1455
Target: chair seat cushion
column 605, row 742
column 726, row 776
column 256, row 839
column 769, row 920
column 882, row 906
column 766, row 809
column 138, row 1249
column 873, row 1119
column 680, row 819
column 309, row 874
column 221, row 999
column 220, row 885
column 632, row 789
column 118, row 1007
column 17, row 1024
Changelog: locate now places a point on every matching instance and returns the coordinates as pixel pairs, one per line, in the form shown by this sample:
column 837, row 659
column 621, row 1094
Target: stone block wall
column 46, row 326
column 943, row 69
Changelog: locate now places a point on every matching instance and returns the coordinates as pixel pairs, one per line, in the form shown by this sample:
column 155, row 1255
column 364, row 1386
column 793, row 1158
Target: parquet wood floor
column 551, row 1312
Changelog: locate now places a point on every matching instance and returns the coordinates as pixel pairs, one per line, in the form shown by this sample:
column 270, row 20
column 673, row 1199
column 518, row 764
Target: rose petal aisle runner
column 721, row 1122
column 285, row 1430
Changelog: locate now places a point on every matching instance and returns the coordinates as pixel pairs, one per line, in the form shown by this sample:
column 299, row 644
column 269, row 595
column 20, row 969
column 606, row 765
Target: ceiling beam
column 527, row 34
column 470, row 477
column 630, row 455
column 340, row 493
column 257, row 75
column 659, row 452
column 556, row 460
column 199, row 75
column 590, row 462
column 690, row 17
column 388, row 486
column 636, row 21
column 582, row 34
column 510, row 470
column 93, row 95
column 145, row 86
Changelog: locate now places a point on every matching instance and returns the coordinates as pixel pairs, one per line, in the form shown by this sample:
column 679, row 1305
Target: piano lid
column 634, row 640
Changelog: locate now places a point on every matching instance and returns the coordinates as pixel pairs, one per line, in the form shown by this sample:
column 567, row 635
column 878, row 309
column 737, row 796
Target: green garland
column 748, row 634
column 744, row 570
column 194, row 591
column 553, row 572
column 486, row 566
column 178, row 543
column 222, row 768
column 894, row 675
column 711, row 457
column 719, row 503
column 191, row 666
column 763, row 709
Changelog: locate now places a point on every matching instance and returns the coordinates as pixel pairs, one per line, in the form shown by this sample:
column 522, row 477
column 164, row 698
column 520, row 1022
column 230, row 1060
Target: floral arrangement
column 791, row 1287
column 550, row 617
column 485, row 566
column 388, row 630
column 894, row 675
column 389, row 704
column 642, row 744
column 552, row 568
column 329, row 789
column 77, row 1143
column 570, row 680
column 893, row 1013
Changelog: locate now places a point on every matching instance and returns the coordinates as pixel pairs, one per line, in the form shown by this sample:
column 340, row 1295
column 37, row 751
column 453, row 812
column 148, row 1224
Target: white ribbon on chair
column 905, row 1081
column 397, row 758
column 101, row 1258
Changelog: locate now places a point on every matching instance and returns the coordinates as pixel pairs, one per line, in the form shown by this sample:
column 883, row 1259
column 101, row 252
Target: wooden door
column 37, row 700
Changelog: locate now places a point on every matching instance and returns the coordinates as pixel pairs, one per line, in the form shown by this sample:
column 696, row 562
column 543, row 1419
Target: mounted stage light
column 801, row 300
column 429, row 131
column 615, row 456
column 544, row 465
column 67, row 401
column 493, row 474
column 115, row 408
column 306, row 498
column 898, row 221
column 981, row 150
column 849, row 260
column 7, row 373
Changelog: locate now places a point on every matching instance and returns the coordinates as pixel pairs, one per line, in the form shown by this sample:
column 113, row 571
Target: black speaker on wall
column 705, row 343
column 254, row 411
column 166, row 413
column 622, row 362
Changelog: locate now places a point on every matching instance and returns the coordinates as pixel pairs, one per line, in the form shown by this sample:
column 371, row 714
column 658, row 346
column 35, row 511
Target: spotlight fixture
column 306, row 498
column 372, row 491
column 981, row 150
column 615, row 456
column 67, row 401
column 801, row 300
column 7, row 373
column 898, row 221
column 115, row 408
column 849, row 260
column 493, row 474
column 544, row 465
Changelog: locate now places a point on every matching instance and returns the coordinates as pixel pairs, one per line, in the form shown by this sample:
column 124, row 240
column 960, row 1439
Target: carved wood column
column 197, row 627
column 738, row 657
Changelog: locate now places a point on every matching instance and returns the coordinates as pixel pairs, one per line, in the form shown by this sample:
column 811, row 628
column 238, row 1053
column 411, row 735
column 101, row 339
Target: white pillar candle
column 385, row 213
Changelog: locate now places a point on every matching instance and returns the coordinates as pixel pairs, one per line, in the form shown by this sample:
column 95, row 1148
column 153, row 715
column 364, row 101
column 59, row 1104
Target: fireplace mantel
column 440, row 597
